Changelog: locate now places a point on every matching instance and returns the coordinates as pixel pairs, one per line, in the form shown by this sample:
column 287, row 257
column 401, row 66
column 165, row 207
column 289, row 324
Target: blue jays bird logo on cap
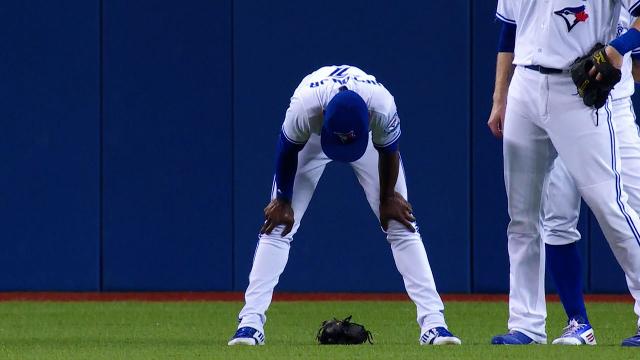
column 346, row 138
column 573, row 15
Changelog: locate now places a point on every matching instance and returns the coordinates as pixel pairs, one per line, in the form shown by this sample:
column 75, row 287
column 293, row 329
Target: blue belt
column 543, row 70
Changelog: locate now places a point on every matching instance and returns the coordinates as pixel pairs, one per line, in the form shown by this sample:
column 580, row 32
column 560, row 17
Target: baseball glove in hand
column 594, row 92
column 342, row 332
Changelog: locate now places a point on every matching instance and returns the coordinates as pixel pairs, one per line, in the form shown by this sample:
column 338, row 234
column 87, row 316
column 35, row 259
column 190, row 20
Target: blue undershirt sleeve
column 286, row 167
column 393, row 147
column 507, row 39
column 627, row 41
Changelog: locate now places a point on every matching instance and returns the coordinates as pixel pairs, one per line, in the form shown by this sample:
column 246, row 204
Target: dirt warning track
column 237, row 296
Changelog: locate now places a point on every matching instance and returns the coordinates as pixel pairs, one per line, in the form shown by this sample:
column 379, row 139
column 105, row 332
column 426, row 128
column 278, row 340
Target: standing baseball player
column 542, row 118
column 561, row 206
column 341, row 113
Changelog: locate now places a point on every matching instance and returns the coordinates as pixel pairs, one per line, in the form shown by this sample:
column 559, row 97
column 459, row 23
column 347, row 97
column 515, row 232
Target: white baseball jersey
column 625, row 87
column 553, row 33
column 303, row 125
column 305, row 114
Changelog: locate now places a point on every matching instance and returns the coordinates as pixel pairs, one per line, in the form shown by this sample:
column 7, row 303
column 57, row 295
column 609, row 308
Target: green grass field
column 200, row 330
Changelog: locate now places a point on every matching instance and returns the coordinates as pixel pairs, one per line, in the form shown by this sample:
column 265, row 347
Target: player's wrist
column 387, row 197
column 500, row 98
column 499, row 102
column 614, row 56
column 282, row 199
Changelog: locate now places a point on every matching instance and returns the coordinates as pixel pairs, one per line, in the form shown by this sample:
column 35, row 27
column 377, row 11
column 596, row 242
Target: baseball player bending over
column 341, row 113
column 543, row 117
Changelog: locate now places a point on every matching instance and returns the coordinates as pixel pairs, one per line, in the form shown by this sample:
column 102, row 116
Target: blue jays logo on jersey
column 346, row 138
column 620, row 30
column 572, row 16
column 393, row 125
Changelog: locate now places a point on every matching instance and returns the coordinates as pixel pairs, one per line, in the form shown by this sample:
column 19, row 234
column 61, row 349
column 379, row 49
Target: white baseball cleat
column 247, row 336
column 439, row 336
column 576, row 333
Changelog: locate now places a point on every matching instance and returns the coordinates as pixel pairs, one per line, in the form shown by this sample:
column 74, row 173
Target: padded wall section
column 276, row 45
column 49, row 145
column 490, row 261
column 167, row 145
column 489, row 202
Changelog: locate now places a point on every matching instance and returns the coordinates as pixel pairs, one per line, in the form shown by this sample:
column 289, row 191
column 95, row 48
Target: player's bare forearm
column 615, row 58
column 392, row 205
column 635, row 70
column 636, row 23
column 388, row 168
column 279, row 210
column 504, row 72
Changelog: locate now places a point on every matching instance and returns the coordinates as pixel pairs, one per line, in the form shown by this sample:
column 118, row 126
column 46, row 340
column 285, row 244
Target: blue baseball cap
column 345, row 129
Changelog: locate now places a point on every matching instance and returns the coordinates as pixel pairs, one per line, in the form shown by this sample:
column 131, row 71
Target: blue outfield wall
column 167, row 142
column 138, row 144
column 489, row 218
column 272, row 57
column 49, row 145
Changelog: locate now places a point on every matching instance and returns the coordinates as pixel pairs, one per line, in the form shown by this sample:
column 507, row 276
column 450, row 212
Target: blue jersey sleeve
column 286, row 166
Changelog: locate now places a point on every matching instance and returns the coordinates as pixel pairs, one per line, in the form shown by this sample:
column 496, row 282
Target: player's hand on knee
column 396, row 208
column 496, row 119
column 278, row 212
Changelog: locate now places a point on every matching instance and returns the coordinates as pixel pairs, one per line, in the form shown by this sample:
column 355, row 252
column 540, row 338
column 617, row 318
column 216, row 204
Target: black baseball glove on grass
column 343, row 332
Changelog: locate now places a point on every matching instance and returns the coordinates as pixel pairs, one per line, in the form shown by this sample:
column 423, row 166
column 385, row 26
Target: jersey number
column 338, row 72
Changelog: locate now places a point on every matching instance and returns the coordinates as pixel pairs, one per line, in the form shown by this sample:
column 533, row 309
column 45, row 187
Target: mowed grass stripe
column 200, row 330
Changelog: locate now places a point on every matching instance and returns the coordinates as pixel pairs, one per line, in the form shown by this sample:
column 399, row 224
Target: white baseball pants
column 561, row 202
column 407, row 247
column 546, row 118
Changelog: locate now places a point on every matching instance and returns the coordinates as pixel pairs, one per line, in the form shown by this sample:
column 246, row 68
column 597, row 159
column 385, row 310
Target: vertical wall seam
column 471, row 178
column 589, row 244
column 101, row 143
column 233, row 153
